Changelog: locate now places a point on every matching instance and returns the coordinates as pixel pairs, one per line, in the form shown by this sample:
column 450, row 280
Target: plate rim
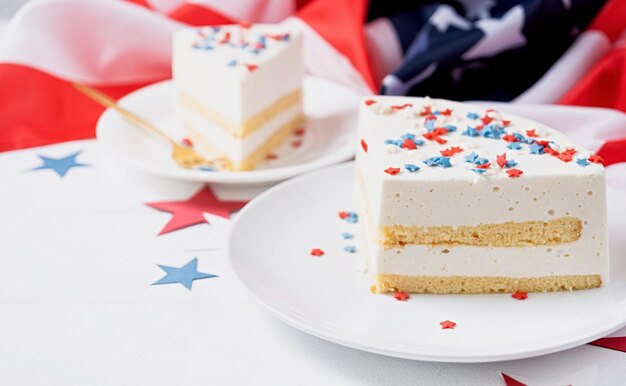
column 232, row 178
column 549, row 348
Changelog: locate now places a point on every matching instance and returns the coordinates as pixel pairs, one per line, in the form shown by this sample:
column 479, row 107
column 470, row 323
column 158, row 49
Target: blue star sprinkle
column 205, row 168
column 443, row 162
column 471, row 132
column 430, row 125
column 473, row 116
column 514, row 145
column 480, row 161
column 60, row 165
column 451, row 128
column 347, row 236
column 232, row 63
column 492, row 131
column 350, row 249
column 536, row 149
column 582, row 162
column 396, row 142
column 412, row 168
column 471, row 157
column 351, row 217
column 510, row 164
column 479, row 171
column 184, row 275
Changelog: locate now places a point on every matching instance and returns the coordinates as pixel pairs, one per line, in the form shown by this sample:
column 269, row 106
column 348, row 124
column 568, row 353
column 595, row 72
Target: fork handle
column 107, row 101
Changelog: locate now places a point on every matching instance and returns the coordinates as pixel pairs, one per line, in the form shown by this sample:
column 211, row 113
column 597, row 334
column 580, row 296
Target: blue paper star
column 184, row 275
column 60, row 165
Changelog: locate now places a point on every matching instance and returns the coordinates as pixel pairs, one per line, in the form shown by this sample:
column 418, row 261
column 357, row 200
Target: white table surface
column 77, row 258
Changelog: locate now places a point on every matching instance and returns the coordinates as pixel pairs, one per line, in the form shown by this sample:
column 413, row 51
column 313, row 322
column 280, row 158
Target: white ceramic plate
column 330, row 130
column 329, row 297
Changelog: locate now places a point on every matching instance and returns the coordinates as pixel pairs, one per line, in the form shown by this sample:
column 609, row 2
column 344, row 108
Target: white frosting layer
column 238, row 149
column 233, row 90
column 549, row 188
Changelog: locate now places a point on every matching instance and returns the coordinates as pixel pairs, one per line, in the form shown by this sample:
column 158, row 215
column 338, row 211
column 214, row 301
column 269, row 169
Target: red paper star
column 370, row 102
column 509, row 381
column 190, row 212
column 501, row 160
column 447, row 324
column 520, row 295
column 531, row 133
column 614, row 343
column 449, row 152
column 401, row 296
column 514, row 173
column 364, row 145
column 596, row 159
column 317, row 252
column 392, row 171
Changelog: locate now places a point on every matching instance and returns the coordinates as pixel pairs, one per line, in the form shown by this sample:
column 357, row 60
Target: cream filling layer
column 238, row 149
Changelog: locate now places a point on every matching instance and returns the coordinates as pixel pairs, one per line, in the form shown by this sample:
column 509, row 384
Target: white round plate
column 329, row 138
column 329, row 296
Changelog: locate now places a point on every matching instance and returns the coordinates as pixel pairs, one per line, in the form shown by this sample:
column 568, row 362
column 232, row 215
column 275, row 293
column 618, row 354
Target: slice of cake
column 458, row 199
column 238, row 89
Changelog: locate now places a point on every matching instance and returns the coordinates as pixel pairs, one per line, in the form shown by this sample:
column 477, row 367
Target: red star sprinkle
column 449, row 152
column 565, row 157
column 392, row 171
column 486, row 120
column 271, row 156
column 226, row 38
column 409, row 144
column 510, row 138
column 543, row 143
column 343, row 214
column 550, row 151
column 369, row 102
column 446, row 112
column 480, row 127
column 531, row 133
column 519, row 295
column 483, row 166
column 570, row 151
column 317, row 252
column 596, row 159
column 299, row 132
column 191, row 211
column 514, row 173
column 447, row 324
column 401, row 107
column 426, row 111
column 506, row 123
column 501, row 160
column 401, row 296
column 433, row 136
column 296, row 143
column 364, row 145
column 251, row 67
column 187, row 142
column 430, row 118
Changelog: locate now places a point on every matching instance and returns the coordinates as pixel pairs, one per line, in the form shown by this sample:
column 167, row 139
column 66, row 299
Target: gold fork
column 184, row 156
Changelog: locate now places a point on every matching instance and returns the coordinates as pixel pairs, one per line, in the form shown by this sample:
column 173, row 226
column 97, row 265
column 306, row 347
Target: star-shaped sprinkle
column 351, row 217
column 596, row 159
column 510, row 138
column 350, row 249
column 486, row 120
column 520, row 295
column 252, row 67
column 483, row 166
column 582, row 162
column 447, row 324
column 364, row 145
column 433, row 136
column 479, row 171
column 471, row 158
column 347, row 236
column 536, row 149
column 514, row 173
column 471, row 132
column 449, row 152
column 565, row 157
column 190, row 212
column 531, row 133
column 369, row 102
column 401, row 296
column 392, row 171
column 411, row 168
column 184, row 275
column 443, row 162
column 501, row 160
column 317, row 252
column 187, row 142
column 473, row 116
column 409, row 144
column 60, row 165
column 514, row 146
column 446, row 112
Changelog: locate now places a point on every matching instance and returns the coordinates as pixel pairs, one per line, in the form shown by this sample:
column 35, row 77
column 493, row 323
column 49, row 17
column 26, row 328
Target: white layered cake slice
column 238, row 89
column 459, row 199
